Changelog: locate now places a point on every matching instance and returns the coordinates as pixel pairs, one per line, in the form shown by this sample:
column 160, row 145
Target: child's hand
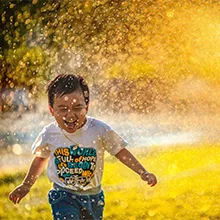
column 19, row 192
column 149, row 177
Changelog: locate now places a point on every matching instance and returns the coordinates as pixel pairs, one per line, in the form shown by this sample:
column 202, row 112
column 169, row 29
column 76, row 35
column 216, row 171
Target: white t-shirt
column 76, row 160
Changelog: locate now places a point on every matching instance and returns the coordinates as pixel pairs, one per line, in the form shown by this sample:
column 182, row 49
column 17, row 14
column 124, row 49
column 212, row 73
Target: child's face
column 70, row 111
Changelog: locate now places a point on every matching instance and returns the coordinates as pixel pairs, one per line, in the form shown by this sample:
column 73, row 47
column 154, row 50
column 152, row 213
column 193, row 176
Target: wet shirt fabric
column 76, row 160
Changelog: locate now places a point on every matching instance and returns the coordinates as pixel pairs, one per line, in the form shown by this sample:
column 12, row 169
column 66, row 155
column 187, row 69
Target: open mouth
column 70, row 124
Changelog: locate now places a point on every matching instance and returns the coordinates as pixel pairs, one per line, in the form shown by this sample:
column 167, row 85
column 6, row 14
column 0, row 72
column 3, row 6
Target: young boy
column 73, row 146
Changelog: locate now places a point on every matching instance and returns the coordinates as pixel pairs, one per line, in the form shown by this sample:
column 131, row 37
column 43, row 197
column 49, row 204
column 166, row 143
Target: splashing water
column 159, row 59
column 138, row 130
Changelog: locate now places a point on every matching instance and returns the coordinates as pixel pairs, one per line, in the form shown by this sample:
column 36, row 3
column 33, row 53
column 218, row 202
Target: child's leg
column 94, row 208
column 64, row 206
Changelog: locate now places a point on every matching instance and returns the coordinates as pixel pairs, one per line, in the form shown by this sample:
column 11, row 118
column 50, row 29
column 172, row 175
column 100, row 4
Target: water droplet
column 28, row 207
column 17, row 149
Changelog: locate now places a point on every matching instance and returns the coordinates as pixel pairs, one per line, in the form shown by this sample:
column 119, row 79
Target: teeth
column 70, row 123
column 68, row 120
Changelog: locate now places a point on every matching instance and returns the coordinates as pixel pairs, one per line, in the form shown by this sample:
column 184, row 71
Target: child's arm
column 129, row 160
column 36, row 168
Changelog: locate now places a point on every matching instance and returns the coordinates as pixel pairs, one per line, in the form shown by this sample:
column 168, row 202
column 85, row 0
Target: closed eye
column 63, row 109
column 78, row 108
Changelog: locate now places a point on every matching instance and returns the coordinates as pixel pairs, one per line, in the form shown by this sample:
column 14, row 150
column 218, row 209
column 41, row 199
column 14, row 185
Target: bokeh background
column 153, row 71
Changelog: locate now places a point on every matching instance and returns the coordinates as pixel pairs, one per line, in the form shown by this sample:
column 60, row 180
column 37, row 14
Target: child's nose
column 71, row 112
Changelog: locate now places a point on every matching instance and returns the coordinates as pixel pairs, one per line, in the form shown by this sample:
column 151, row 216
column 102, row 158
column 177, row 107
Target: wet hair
column 65, row 84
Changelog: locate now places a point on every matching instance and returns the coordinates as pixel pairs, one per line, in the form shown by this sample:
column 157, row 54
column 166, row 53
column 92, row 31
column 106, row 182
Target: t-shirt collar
column 83, row 128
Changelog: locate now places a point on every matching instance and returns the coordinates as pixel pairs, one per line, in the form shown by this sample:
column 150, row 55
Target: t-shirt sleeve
column 113, row 142
column 40, row 147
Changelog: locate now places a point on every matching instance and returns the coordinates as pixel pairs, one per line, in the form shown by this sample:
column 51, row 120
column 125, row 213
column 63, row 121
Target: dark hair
column 66, row 84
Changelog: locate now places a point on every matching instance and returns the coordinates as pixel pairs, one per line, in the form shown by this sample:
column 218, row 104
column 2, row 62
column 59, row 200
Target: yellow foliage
column 133, row 69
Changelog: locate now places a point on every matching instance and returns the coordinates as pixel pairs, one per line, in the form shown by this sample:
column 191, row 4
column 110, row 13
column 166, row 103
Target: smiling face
column 70, row 111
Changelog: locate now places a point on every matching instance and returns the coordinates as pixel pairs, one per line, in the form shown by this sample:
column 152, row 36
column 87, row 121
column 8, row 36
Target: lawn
column 188, row 187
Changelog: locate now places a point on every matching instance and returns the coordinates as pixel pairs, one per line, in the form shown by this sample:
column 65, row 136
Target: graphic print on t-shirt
column 75, row 165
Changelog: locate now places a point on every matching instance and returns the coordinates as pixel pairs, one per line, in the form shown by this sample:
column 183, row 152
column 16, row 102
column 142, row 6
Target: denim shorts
column 66, row 205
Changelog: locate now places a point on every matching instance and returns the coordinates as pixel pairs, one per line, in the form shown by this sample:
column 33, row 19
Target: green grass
column 188, row 187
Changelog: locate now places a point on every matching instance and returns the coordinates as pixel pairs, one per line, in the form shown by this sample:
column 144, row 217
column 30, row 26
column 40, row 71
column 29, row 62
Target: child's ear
column 51, row 110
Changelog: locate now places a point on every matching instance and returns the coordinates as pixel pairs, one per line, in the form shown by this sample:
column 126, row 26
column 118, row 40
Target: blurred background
column 153, row 63
column 152, row 68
